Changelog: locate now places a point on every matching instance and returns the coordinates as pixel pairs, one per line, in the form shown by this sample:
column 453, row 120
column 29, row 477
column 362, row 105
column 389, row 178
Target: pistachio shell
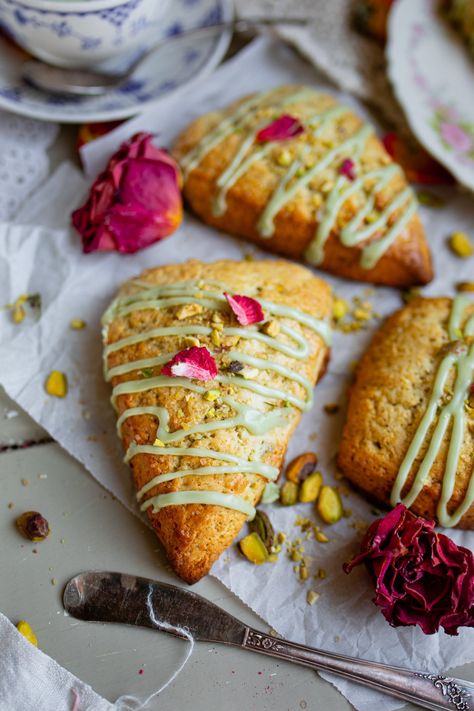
column 299, row 468
column 261, row 524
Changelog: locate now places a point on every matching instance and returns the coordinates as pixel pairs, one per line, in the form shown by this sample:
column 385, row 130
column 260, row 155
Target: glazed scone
column 409, row 434
column 238, row 423
column 331, row 195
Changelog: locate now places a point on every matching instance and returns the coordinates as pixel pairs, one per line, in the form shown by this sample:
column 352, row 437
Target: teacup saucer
column 432, row 74
column 170, row 68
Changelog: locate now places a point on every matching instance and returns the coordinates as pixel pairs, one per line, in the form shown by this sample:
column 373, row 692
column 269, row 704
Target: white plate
column 432, row 74
column 169, row 69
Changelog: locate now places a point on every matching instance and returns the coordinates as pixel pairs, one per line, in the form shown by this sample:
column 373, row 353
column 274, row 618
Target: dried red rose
column 195, row 362
column 421, row 577
column 347, row 168
column 245, row 309
column 279, row 130
column 134, row 202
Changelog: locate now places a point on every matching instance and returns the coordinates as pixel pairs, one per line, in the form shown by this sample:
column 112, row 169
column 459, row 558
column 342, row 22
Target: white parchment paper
column 49, row 259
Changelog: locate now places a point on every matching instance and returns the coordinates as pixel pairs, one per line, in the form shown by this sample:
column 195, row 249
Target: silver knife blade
column 115, row 597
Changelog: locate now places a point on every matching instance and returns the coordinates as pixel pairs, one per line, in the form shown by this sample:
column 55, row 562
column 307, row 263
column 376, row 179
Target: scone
column 208, row 389
column 330, row 195
column 409, row 434
column 461, row 14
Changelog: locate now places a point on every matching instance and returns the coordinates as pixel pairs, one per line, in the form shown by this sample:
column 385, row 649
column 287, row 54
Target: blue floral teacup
column 76, row 33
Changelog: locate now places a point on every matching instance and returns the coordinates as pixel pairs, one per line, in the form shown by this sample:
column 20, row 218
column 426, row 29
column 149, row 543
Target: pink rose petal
column 196, row 363
column 246, row 309
column 279, row 130
column 135, row 202
column 347, row 168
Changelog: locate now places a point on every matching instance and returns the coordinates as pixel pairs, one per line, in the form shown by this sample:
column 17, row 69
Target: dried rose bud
column 33, row 526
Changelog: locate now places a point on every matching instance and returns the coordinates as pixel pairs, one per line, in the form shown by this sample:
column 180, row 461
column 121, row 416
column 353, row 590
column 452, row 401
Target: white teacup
column 75, row 33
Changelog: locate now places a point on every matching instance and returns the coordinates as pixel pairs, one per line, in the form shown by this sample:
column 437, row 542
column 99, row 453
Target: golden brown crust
column 406, row 262
column 392, row 386
column 195, row 535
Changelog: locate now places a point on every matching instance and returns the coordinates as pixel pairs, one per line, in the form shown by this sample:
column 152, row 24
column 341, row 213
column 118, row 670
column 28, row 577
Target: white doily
column 353, row 62
column 24, row 161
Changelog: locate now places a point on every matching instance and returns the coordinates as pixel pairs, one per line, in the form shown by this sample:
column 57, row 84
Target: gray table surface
column 90, row 529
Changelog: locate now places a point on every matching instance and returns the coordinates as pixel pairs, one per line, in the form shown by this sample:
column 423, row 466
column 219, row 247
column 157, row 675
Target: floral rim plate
column 169, row 69
column 432, row 74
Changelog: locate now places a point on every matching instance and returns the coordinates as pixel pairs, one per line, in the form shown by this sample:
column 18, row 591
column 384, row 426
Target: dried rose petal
column 246, row 309
column 195, row 362
column 279, row 130
column 347, row 168
column 421, row 577
column 418, row 165
column 135, row 202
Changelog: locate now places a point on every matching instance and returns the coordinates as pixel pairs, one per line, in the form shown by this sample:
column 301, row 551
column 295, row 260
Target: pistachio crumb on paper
column 56, row 384
column 461, row 244
column 24, row 628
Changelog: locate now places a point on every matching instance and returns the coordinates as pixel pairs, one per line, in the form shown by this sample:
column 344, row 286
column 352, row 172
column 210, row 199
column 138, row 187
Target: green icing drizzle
column 255, row 421
column 290, row 184
column 212, row 498
column 460, row 357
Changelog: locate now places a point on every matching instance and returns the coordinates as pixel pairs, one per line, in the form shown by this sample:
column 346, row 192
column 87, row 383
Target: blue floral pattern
column 185, row 60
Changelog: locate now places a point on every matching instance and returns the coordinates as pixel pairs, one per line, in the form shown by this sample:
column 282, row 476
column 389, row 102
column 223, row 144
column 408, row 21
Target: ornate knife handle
column 432, row 691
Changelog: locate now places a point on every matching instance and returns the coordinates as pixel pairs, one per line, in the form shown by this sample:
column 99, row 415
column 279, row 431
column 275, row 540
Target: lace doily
column 351, row 61
column 24, row 161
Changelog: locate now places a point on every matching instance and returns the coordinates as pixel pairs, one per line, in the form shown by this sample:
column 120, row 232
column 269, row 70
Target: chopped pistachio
column 312, row 596
column 284, row 158
column 340, row 308
column 56, row 384
column 250, row 373
column 289, row 493
column 190, row 341
column 327, row 186
column 310, row 488
column 362, row 314
column 296, row 556
column 304, row 574
column 465, row 286
column 18, row 314
column 77, row 324
column 24, row 628
column 322, row 573
column 254, row 549
column 158, row 443
column 329, row 505
column 461, row 244
column 271, row 328
column 215, row 337
column 281, row 538
column 211, row 395
column 188, row 310
column 320, row 536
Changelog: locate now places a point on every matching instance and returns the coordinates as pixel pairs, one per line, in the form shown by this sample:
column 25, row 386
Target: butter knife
column 127, row 599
